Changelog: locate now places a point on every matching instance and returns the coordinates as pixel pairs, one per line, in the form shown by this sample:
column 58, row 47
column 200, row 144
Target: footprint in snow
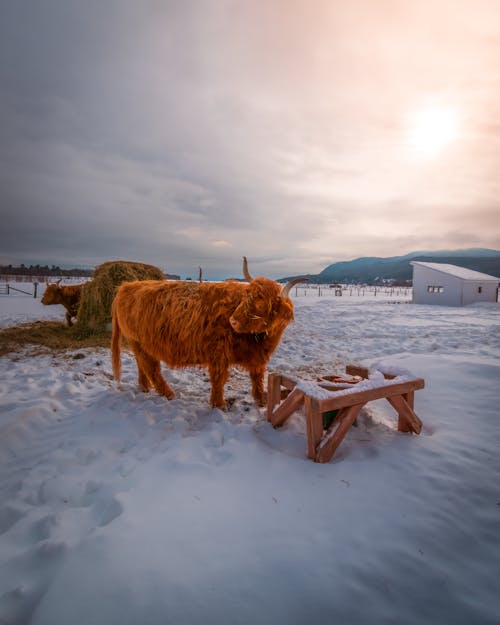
column 25, row 578
column 107, row 511
column 9, row 516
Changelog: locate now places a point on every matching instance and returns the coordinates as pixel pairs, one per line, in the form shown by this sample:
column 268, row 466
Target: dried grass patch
column 48, row 336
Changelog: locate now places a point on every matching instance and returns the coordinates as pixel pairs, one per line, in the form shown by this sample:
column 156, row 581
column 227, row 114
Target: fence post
column 35, row 288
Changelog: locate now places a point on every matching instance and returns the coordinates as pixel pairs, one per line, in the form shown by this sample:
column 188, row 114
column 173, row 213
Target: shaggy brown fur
column 68, row 296
column 214, row 325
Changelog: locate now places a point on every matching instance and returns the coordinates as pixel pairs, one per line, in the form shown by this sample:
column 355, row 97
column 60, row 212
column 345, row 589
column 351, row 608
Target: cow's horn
column 248, row 277
column 286, row 289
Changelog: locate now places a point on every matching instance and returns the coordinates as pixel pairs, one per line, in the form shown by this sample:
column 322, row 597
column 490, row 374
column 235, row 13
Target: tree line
column 43, row 270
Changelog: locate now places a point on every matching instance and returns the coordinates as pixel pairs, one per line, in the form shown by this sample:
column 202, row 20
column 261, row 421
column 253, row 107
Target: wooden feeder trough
column 332, row 404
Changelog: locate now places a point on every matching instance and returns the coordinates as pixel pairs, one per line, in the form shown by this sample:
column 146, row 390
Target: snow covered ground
column 118, row 507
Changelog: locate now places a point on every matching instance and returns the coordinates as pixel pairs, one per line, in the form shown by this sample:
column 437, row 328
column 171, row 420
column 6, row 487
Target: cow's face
column 262, row 310
column 52, row 294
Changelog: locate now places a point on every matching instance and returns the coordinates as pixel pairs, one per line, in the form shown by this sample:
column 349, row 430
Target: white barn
column 450, row 285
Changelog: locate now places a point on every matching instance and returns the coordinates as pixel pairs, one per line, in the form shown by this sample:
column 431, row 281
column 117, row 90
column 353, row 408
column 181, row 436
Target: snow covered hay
column 97, row 295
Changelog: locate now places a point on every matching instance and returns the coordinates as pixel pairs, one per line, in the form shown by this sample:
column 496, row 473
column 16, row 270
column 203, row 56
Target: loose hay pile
column 47, row 337
column 97, row 295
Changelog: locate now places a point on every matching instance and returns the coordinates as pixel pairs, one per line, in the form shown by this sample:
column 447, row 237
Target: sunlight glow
column 432, row 130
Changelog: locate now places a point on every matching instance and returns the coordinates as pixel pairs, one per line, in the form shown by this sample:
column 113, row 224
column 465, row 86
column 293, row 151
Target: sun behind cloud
column 221, row 243
column 432, row 130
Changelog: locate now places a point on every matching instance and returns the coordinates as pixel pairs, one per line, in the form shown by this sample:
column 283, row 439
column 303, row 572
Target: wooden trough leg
column 409, row 398
column 314, row 423
column 407, row 419
column 290, row 405
column 273, row 393
column 403, row 425
column 336, row 432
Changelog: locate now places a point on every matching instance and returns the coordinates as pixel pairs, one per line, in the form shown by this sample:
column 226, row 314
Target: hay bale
column 94, row 313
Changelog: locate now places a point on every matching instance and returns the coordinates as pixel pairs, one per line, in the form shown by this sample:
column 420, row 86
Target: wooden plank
column 410, row 398
column 364, row 396
column 403, row 425
column 290, row 405
column 364, row 372
column 355, row 370
column 314, row 423
column 273, row 393
column 335, row 433
column 408, row 420
column 288, row 382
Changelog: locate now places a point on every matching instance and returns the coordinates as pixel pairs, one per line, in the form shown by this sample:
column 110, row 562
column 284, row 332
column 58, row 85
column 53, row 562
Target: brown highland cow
column 68, row 296
column 213, row 325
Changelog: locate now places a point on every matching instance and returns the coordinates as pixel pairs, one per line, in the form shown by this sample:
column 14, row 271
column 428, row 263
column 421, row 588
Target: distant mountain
column 474, row 252
column 373, row 270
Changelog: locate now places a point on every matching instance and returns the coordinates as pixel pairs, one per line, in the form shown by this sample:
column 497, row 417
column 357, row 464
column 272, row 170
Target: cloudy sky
column 296, row 132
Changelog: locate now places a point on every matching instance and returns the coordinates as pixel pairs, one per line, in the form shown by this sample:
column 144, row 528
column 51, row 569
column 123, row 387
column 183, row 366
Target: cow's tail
column 116, row 336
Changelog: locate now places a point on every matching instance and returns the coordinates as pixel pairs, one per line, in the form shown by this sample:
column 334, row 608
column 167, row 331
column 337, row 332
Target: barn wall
column 425, row 276
column 471, row 291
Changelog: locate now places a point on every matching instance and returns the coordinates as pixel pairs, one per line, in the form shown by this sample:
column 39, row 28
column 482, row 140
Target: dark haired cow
column 214, row 325
column 68, row 296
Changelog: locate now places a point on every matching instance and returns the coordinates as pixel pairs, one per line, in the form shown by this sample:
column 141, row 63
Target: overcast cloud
column 190, row 133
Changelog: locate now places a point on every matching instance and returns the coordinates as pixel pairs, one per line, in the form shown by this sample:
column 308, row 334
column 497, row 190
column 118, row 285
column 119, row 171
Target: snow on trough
column 118, row 507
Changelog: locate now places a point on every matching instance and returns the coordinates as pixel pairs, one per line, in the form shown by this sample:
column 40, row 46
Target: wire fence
column 353, row 290
column 32, row 285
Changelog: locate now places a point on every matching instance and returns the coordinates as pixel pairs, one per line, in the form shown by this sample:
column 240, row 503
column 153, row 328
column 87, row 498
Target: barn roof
column 458, row 272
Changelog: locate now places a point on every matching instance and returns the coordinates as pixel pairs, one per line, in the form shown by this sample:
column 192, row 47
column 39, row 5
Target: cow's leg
column 149, row 370
column 68, row 319
column 218, row 377
column 145, row 382
column 257, row 378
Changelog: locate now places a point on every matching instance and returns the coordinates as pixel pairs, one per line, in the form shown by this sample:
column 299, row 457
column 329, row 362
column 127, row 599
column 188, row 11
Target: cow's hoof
column 219, row 405
column 261, row 401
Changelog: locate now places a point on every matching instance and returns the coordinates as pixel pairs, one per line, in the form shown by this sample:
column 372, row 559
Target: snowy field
column 121, row 508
